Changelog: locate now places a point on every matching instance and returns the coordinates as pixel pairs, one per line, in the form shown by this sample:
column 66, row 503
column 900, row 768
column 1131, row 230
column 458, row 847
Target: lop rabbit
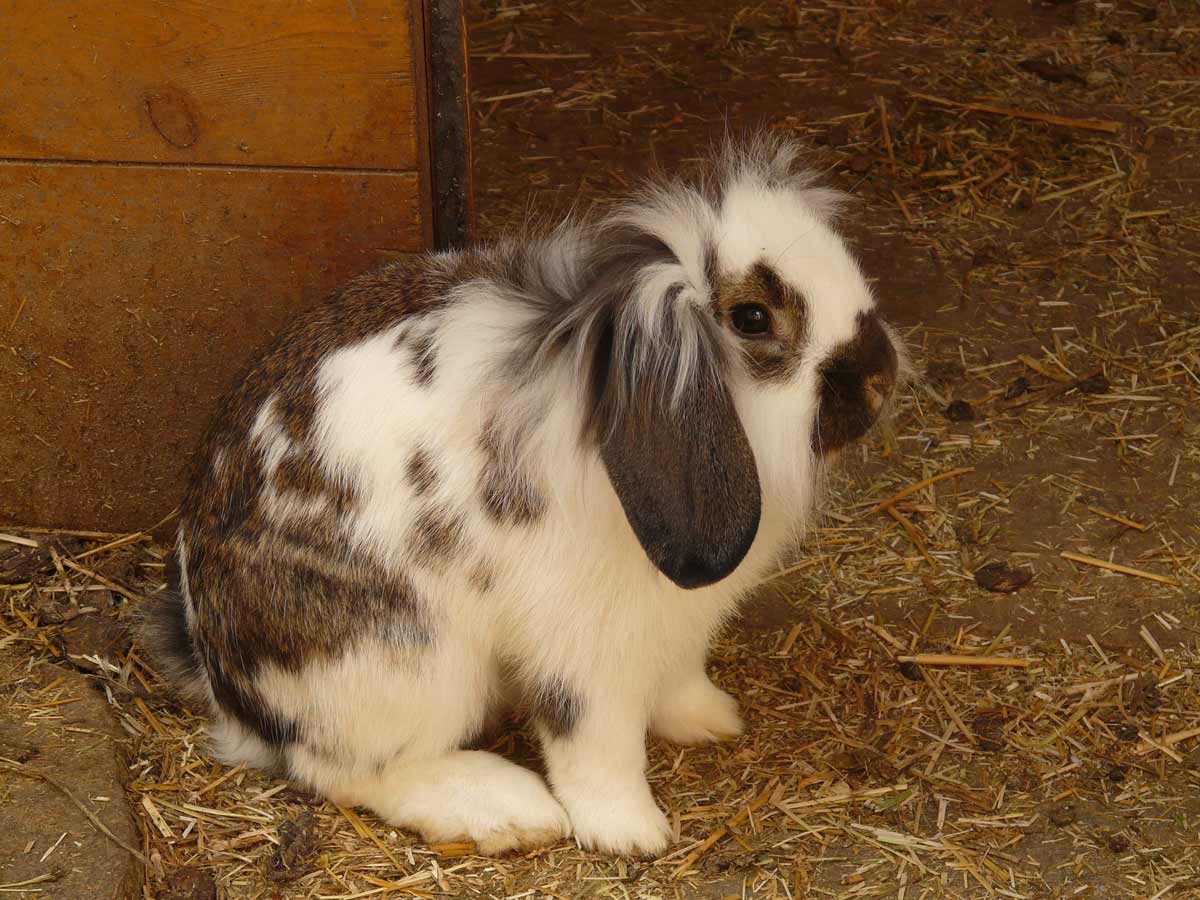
column 542, row 472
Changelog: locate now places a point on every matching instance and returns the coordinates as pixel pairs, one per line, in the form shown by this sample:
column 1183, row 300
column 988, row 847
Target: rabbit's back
column 381, row 487
column 268, row 577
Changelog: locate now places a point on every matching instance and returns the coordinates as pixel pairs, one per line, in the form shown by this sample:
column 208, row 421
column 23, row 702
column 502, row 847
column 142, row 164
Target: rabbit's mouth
column 856, row 383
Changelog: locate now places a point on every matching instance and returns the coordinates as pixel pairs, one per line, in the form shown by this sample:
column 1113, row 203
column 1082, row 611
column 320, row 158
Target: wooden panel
column 130, row 296
column 324, row 83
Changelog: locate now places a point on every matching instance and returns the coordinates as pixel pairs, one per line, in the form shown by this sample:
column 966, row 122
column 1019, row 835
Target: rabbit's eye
column 751, row 318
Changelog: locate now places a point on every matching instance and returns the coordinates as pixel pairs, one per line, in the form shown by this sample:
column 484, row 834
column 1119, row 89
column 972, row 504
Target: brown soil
column 57, row 722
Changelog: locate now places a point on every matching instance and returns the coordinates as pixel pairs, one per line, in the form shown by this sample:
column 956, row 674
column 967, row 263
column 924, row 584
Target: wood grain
column 317, row 83
column 131, row 296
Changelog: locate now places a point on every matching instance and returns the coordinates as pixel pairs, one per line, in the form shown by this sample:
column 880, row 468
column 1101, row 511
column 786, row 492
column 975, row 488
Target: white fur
column 575, row 597
column 463, row 793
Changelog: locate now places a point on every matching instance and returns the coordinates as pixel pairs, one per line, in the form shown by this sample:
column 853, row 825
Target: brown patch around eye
column 777, row 355
column 771, row 366
column 769, row 286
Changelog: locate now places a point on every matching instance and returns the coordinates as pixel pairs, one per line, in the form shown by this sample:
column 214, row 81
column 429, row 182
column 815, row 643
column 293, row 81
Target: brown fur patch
column 420, row 472
column 319, row 599
column 482, row 577
column 435, row 536
column 506, row 490
column 366, row 306
column 424, row 359
column 305, row 577
column 845, row 413
column 775, row 356
column 556, row 707
column 296, row 410
column 300, row 473
column 289, row 592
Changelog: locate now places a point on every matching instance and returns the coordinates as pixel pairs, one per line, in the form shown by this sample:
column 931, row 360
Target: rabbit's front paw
column 625, row 821
column 697, row 713
column 516, row 816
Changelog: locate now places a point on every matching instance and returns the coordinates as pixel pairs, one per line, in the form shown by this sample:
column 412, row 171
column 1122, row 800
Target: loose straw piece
column 923, row 483
column 454, row 849
column 1044, row 371
column 950, row 659
column 1074, row 189
column 1170, row 740
column 1129, row 523
column 1145, row 635
column 518, row 95
column 37, row 879
column 1117, row 567
column 914, row 534
column 157, row 817
column 112, row 545
column 408, row 884
column 1159, row 746
column 1105, row 125
column 954, row 716
column 706, row 845
column 364, row 830
column 96, row 576
column 842, row 799
column 885, row 635
column 1098, row 685
column 15, row 539
column 216, row 782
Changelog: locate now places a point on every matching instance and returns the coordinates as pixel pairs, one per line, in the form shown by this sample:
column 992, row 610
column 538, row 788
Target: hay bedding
column 882, row 757
column 979, row 677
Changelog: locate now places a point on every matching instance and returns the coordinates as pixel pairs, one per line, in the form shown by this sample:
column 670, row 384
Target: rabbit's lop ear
column 674, row 448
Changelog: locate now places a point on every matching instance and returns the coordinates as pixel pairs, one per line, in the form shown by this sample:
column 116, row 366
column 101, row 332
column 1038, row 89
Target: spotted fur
column 540, row 473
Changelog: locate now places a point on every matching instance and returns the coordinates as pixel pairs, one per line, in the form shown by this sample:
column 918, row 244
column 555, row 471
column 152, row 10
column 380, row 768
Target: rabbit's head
column 726, row 343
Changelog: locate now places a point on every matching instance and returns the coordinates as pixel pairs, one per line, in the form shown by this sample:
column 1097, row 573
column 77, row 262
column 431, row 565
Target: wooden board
column 177, row 178
column 314, row 83
column 131, row 295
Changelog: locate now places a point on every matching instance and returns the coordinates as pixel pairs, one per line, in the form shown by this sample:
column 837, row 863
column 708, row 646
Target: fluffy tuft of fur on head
column 771, row 161
column 634, row 285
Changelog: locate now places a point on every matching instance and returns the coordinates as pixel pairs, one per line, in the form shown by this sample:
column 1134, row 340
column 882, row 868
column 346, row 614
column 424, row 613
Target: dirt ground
column 58, row 719
column 1026, row 179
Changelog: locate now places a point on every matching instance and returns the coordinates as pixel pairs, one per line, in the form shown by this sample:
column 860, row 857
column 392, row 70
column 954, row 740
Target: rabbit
column 537, row 474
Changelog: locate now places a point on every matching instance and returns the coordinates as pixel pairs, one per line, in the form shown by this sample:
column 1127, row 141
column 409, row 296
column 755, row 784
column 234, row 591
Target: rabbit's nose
column 877, row 389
